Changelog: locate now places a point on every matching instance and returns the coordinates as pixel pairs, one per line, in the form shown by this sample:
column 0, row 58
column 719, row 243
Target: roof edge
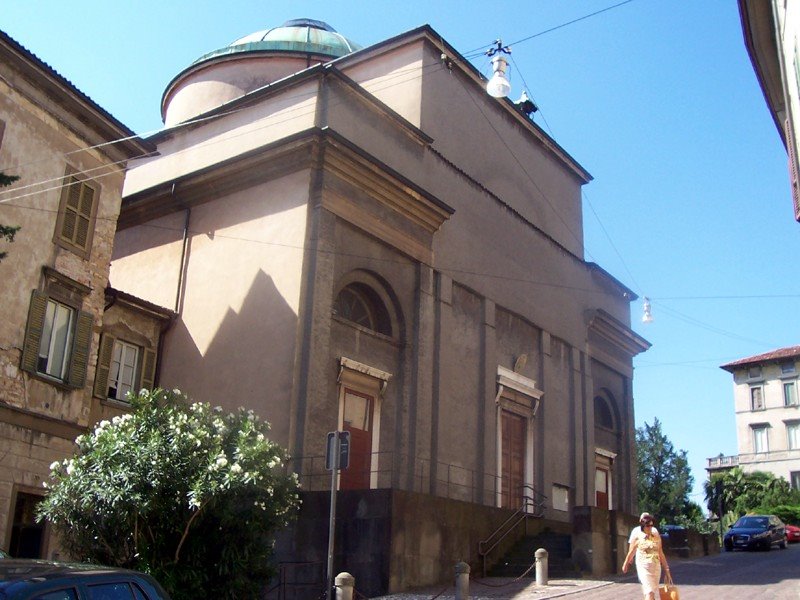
column 473, row 73
column 102, row 121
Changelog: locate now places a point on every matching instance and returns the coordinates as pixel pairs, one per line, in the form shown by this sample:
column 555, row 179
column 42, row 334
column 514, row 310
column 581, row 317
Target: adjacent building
column 765, row 391
column 362, row 239
column 771, row 29
column 70, row 156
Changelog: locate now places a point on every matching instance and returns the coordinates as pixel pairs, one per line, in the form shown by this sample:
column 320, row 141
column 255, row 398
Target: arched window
column 360, row 304
column 603, row 416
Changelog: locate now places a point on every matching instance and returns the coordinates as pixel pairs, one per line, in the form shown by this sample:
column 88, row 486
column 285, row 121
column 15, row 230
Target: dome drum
column 250, row 63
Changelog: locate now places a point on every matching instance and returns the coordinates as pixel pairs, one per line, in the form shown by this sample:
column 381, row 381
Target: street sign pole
column 333, row 461
column 337, row 457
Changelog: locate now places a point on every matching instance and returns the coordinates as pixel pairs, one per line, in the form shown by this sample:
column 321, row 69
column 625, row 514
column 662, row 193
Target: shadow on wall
column 248, row 363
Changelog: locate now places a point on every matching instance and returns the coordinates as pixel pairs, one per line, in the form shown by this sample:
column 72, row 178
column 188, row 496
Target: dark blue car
column 753, row 532
column 23, row 579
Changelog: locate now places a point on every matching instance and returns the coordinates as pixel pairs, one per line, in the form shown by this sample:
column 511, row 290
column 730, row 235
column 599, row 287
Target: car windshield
column 752, row 522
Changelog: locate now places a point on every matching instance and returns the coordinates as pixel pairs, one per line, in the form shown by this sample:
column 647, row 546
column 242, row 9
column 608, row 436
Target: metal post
column 541, row 566
column 332, row 522
column 344, row 586
column 462, row 581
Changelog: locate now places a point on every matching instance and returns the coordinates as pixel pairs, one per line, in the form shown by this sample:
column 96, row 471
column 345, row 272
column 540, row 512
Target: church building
column 362, row 239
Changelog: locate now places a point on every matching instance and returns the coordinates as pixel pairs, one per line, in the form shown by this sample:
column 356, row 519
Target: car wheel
column 783, row 543
column 767, row 546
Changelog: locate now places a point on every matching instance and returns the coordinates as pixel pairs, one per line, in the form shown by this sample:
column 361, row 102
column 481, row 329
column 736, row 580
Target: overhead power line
column 550, row 30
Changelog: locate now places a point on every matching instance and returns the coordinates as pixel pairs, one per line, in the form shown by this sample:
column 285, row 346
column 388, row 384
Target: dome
column 249, row 63
column 298, row 35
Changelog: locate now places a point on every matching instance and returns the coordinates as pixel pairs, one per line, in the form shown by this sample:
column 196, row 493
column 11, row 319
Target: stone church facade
column 362, row 239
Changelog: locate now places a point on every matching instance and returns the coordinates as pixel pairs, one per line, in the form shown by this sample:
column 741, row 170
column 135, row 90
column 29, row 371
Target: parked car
column 674, row 535
column 756, row 531
column 26, row 579
column 792, row 534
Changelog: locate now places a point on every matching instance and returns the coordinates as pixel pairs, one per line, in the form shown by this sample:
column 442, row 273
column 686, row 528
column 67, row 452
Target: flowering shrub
column 182, row 491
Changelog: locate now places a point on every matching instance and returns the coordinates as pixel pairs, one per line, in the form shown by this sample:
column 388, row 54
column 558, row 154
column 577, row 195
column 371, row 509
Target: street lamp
column 647, row 317
column 499, row 86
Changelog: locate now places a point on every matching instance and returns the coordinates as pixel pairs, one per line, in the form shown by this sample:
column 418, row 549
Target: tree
column 7, row 232
column 742, row 492
column 181, row 491
column 664, row 477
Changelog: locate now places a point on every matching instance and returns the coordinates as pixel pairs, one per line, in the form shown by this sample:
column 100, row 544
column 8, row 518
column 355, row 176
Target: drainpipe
column 160, row 348
column 183, row 254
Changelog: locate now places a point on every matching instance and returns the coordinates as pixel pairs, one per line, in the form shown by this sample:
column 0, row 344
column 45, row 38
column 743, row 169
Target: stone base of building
column 393, row 541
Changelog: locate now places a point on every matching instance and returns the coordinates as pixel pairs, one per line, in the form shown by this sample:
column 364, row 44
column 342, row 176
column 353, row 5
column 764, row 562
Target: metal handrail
column 537, row 499
column 535, row 502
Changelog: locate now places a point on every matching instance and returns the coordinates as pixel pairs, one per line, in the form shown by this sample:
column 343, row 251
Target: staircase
column 522, row 555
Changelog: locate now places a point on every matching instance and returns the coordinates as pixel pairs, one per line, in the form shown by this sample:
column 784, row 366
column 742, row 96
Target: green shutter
column 33, row 331
column 77, row 205
column 103, row 365
column 84, row 216
column 148, row 370
column 79, row 357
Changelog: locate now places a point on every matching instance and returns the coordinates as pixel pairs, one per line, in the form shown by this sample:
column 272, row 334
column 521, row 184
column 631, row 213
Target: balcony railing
column 723, row 462
column 391, row 470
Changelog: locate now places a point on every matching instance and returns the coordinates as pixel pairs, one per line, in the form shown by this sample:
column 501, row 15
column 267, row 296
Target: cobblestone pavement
column 771, row 575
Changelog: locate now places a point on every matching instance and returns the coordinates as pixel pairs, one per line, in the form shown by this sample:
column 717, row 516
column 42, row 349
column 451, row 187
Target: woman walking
column 645, row 544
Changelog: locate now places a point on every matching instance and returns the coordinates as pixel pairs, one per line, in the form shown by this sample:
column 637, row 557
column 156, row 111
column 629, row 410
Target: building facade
column 55, row 276
column 771, row 30
column 364, row 240
column 765, row 391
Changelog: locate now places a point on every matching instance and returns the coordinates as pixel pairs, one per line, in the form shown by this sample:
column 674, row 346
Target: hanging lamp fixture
column 499, row 86
column 647, row 317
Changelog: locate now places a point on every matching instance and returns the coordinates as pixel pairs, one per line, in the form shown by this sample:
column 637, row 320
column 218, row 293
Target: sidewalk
column 500, row 588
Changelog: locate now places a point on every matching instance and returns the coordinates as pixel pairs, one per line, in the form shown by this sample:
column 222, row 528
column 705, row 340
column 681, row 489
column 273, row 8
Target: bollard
column 541, row 566
column 462, row 581
column 344, row 583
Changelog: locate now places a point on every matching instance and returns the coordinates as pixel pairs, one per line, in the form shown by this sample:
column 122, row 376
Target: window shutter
column 76, row 213
column 72, row 191
column 33, row 331
column 148, row 370
column 103, row 365
column 79, row 357
column 84, row 217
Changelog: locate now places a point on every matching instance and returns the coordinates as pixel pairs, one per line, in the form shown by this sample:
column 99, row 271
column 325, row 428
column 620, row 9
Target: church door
column 513, row 458
column 358, row 413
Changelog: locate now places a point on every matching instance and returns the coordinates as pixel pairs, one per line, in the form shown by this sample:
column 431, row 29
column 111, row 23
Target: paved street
column 730, row 575
column 773, row 575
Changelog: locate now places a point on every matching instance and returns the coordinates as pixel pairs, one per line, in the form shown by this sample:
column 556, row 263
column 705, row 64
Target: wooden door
column 513, row 458
column 27, row 534
column 358, row 409
column 601, row 491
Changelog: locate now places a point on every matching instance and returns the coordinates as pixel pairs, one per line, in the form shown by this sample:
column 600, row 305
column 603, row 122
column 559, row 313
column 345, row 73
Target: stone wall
column 391, row 540
column 25, row 461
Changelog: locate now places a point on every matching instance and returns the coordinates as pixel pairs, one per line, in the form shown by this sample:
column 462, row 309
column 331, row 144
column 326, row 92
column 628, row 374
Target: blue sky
column 658, row 100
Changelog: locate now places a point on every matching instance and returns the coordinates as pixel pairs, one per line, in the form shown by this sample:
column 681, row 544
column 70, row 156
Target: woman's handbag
column 668, row 590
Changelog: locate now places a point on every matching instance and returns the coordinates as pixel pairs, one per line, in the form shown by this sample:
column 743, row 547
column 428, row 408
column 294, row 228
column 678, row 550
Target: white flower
column 54, row 465
column 70, row 468
column 236, row 468
column 222, row 461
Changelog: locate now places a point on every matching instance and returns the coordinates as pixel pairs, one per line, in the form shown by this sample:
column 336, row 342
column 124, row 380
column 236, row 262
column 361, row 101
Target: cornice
column 617, row 333
column 340, row 158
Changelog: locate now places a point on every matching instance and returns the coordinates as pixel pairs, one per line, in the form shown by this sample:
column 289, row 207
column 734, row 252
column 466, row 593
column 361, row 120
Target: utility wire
column 613, row 245
column 557, row 27
column 454, row 270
